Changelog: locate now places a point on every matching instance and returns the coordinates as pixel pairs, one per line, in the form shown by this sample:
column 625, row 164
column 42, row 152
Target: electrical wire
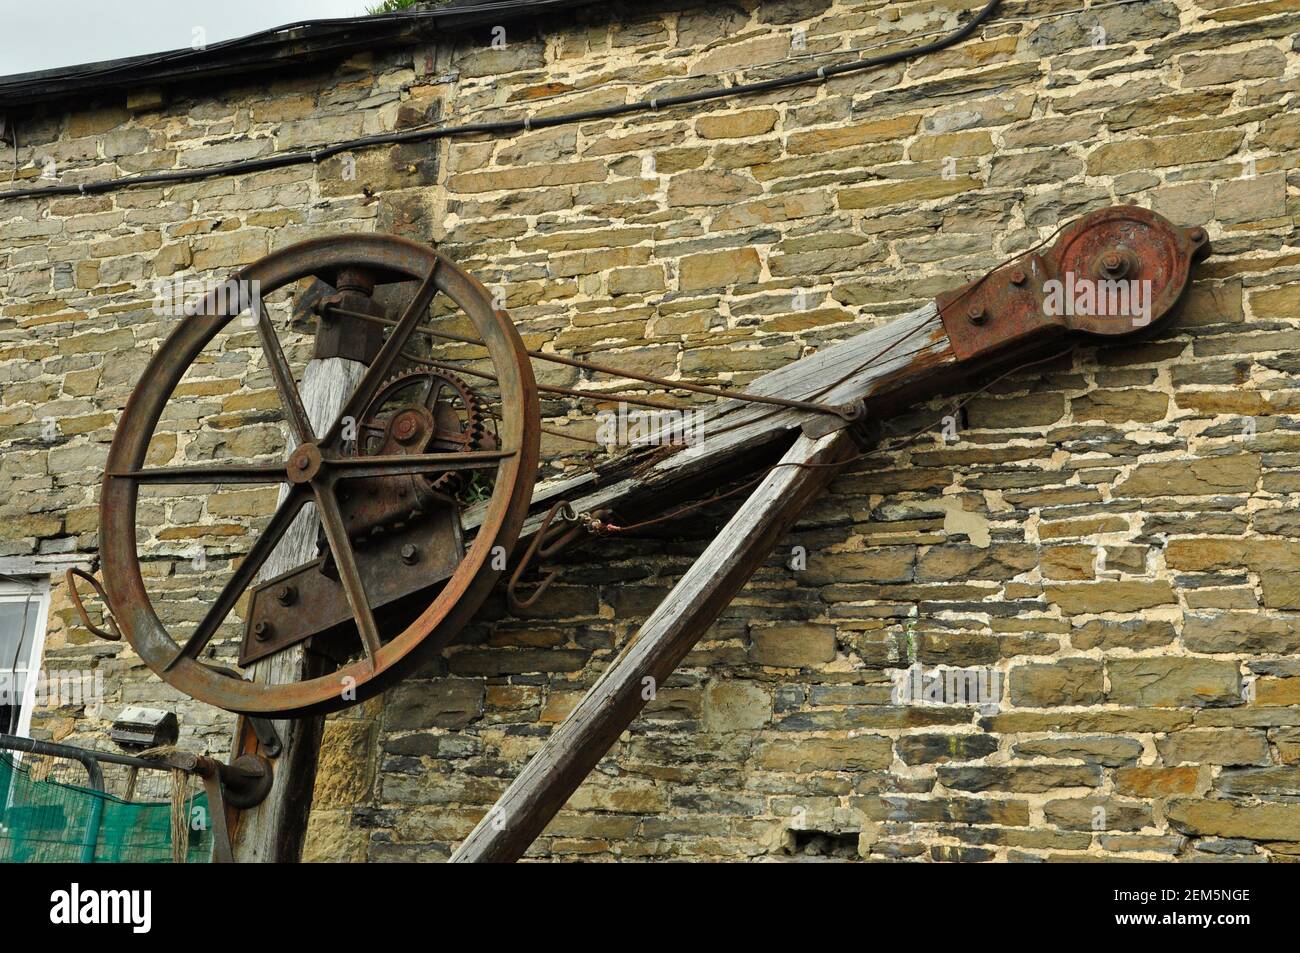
column 443, row 130
column 530, row 122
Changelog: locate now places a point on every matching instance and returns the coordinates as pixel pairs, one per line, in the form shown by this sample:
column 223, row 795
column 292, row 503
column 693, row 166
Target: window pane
column 14, row 655
column 19, row 612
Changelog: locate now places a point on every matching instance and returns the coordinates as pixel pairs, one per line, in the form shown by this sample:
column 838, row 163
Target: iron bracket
column 268, row 739
column 242, row 784
column 336, row 334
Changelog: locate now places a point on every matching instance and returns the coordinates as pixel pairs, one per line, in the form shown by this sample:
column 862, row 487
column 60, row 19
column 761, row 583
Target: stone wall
column 1110, row 539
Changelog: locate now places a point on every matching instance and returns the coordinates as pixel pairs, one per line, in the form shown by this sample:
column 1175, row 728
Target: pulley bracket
column 1114, row 272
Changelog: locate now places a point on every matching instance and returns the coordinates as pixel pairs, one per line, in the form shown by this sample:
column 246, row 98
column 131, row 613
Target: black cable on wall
column 304, row 156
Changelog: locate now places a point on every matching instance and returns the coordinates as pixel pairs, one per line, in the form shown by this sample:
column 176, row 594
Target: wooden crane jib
column 429, row 470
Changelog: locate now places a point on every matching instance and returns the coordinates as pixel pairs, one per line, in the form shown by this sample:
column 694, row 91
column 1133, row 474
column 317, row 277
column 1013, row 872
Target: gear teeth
column 474, row 424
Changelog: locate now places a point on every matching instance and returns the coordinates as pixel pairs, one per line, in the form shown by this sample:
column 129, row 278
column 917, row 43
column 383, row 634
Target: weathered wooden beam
column 645, row 663
column 275, row 830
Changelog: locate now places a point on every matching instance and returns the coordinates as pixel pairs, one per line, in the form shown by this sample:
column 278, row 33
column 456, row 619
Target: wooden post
column 274, row 831
column 582, row 739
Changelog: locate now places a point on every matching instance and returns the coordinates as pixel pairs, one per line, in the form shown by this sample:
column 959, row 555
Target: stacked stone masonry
column 1115, row 535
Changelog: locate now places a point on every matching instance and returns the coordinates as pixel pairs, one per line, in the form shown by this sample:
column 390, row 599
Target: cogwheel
column 460, row 422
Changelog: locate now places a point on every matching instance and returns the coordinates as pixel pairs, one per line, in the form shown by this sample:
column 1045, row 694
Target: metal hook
column 522, row 606
column 547, row 542
column 70, row 576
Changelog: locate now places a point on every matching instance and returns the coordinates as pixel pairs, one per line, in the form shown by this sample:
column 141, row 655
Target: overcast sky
column 44, row 34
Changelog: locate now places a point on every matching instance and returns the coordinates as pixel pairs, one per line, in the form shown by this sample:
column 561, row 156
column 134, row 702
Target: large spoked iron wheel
column 316, row 469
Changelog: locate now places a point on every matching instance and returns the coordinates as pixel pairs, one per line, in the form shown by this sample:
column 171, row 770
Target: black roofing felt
column 267, row 50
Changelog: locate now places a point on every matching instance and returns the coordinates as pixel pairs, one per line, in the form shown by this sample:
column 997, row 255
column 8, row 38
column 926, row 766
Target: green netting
column 49, row 822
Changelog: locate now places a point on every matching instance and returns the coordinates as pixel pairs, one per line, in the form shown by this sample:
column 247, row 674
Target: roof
column 267, row 50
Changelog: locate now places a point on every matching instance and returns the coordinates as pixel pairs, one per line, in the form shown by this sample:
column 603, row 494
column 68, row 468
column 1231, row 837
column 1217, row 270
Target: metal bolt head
column 1111, row 261
column 406, row 427
column 286, row 595
column 976, row 314
column 410, row 555
column 304, row 463
column 852, row 410
column 1018, row 277
column 262, row 630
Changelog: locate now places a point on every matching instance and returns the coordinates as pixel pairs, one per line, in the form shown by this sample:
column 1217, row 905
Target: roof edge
column 267, row 50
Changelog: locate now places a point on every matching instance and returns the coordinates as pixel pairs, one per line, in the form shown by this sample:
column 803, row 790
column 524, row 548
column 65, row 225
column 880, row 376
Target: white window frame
column 36, row 589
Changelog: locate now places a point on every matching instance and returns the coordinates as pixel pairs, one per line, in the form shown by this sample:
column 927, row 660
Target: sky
column 45, row 34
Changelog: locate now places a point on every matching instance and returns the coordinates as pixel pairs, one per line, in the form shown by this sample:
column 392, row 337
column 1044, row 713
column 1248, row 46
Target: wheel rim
column 396, row 259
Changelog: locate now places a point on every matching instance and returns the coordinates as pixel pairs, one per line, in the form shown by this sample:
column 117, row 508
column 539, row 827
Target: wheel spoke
column 432, row 394
column 299, row 424
column 404, row 464
column 331, row 519
column 243, row 576
column 382, row 366
column 217, row 473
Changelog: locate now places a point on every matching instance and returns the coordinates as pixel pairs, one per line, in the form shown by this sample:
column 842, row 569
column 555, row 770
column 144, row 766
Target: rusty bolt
column 410, row 555
column 977, row 314
column 1112, row 262
column 1018, row 277
column 404, row 428
column 262, row 630
column 286, row 595
column 1197, row 234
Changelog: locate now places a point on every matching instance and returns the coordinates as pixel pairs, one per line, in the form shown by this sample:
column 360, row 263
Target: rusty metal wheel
column 313, row 473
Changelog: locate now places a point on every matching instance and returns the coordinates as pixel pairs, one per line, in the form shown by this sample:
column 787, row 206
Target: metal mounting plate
column 317, row 604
